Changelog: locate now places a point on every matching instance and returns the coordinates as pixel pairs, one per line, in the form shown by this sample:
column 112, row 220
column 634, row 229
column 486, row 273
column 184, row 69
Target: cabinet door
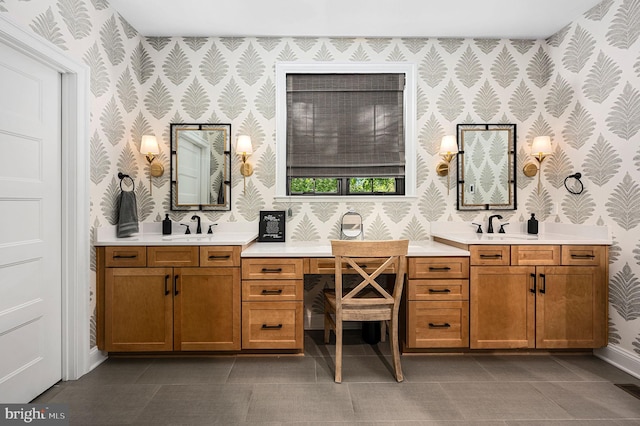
column 571, row 307
column 207, row 309
column 502, row 305
column 138, row 309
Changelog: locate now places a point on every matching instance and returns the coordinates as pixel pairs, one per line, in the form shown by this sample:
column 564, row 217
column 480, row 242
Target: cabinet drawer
column 272, row 325
column 438, row 325
column 272, row 269
column 438, row 290
column 220, row 255
column 272, row 290
column 438, row 267
column 535, row 255
column 173, row 256
column 584, row 255
column 321, row 265
column 490, row 255
column 125, row 256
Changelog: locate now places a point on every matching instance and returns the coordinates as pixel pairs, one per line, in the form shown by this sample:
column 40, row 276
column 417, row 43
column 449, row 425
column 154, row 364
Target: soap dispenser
column 532, row 224
column 166, row 225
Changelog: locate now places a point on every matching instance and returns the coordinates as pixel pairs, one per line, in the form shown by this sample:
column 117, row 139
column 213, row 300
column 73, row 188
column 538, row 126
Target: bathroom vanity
column 545, row 291
column 464, row 291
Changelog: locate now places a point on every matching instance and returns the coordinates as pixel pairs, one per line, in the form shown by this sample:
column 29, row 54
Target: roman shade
column 345, row 125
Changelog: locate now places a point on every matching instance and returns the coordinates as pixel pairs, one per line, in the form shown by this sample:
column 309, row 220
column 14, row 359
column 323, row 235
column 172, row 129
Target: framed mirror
column 486, row 166
column 200, row 167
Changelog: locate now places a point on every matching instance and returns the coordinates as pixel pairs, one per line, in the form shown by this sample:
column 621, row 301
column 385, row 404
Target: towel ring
column 577, row 177
column 122, row 176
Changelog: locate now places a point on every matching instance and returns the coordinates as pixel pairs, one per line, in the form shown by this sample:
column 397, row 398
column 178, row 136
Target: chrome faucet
column 490, row 229
column 197, row 218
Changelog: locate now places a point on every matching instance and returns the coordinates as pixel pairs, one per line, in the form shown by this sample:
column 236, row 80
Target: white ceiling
column 533, row 19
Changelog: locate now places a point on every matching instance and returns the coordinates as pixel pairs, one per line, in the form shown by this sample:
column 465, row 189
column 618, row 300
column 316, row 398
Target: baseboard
column 96, row 357
column 620, row 358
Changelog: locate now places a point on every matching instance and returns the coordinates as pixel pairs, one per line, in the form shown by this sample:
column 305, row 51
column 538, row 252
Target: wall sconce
column 244, row 148
column 540, row 149
column 149, row 147
column 448, row 150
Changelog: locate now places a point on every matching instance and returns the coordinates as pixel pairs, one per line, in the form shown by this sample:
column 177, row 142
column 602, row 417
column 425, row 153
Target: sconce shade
column 541, row 145
column 448, row 145
column 149, row 145
column 243, row 145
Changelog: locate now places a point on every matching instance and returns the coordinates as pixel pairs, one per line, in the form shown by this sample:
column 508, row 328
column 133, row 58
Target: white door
column 30, row 221
column 193, row 169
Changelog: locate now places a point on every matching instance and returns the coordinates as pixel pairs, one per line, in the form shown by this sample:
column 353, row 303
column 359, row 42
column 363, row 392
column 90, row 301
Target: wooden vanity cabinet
column 272, row 303
column 437, row 303
column 169, row 302
column 549, row 297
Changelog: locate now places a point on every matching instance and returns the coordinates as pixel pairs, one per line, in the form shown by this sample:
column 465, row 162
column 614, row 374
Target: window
column 345, row 129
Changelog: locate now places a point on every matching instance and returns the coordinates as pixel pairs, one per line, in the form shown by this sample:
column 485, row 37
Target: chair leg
column 395, row 350
column 338, row 377
column 327, row 323
column 383, row 331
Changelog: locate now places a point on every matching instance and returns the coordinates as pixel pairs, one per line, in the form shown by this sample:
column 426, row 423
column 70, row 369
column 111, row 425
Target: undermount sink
column 507, row 237
column 187, row 237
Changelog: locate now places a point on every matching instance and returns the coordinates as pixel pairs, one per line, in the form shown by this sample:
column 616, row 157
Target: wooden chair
column 368, row 301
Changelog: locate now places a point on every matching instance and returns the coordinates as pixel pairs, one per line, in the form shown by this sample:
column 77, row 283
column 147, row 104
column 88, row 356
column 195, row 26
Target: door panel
column 570, row 311
column 30, row 222
column 138, row 309
column 207, row 309
column 502, row 307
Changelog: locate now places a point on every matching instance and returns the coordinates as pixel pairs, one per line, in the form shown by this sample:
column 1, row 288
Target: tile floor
column 483, row 390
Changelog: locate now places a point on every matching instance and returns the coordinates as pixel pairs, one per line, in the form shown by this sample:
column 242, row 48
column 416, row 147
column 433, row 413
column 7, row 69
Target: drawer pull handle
column 582, row 256
column 125, row 256
column 533, row 289
column 213, row 257
column 166, row 285
column 439, row 268
column 175, row 285
column 433, row 290
column 543, row 288
column 445, row 325
column 272, row 270
column 278, row 291
column 490, row 256
column 271, row 327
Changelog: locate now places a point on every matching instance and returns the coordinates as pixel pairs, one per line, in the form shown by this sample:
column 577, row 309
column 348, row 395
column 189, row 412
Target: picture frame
column 272, row 225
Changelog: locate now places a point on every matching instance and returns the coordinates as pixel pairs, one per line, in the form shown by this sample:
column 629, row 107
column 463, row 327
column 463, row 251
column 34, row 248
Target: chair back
column 389, row 255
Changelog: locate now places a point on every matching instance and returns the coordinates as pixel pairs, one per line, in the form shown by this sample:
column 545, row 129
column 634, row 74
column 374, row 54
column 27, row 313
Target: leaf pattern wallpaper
column 581, row 87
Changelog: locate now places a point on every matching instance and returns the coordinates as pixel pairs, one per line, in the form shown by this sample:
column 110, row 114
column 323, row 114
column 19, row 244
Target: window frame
column 410, row 108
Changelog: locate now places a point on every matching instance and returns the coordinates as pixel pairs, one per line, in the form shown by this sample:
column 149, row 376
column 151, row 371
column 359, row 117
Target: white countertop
column 550, row 233
column 232, row 234
column 323, row 249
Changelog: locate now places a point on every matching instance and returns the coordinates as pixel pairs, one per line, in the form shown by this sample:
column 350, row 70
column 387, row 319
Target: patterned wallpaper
column 582, row 87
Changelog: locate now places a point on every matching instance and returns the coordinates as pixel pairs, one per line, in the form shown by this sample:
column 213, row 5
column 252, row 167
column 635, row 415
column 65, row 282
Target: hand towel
column 127, row 214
